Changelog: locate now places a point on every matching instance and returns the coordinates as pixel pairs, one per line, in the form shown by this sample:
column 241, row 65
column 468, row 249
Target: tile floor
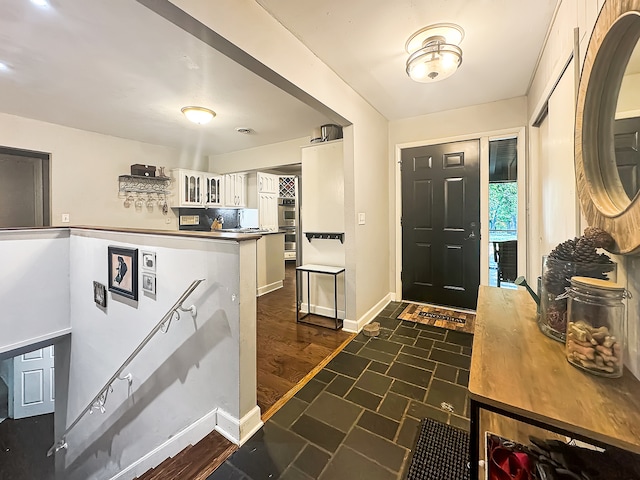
column 358, row 417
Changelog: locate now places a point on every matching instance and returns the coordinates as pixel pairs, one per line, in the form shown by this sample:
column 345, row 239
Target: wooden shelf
column 520, row 372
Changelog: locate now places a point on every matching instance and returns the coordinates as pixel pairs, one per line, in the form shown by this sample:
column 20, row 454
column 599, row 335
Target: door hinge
column 400, row 163
column 400, row 221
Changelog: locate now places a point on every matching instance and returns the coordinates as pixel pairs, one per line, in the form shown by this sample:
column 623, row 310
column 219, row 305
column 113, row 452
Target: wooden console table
column 518, row 372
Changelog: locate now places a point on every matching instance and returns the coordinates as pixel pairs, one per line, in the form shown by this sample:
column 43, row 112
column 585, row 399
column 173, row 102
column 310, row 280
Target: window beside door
column 503, row 212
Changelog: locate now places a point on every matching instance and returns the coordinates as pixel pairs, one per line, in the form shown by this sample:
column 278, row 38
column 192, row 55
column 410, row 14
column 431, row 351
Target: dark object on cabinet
column 143, row 170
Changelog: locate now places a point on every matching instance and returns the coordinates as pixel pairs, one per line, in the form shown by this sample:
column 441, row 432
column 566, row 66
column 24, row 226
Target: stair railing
column 99, row 401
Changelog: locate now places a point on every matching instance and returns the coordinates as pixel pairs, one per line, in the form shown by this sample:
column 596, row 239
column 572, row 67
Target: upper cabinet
column 190, row 187
column 287, row 186
column 197, row 189
column 213, row 190
column 267, row 183
column 235, row 190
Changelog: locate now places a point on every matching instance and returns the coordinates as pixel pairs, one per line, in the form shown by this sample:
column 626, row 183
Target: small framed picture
column 149, row 261
column 99, row 294
column 123, row 271
column 149, row 282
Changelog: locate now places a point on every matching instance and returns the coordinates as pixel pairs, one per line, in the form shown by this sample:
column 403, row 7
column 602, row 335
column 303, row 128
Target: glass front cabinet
column 190, row 187
column 213, row 190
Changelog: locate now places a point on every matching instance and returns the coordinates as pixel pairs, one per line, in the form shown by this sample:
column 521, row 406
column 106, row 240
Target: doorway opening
column 24, row 187
column 503, row 212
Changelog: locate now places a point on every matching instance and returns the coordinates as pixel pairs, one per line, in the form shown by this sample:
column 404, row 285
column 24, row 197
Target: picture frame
column 149, row 283
column 100, row 294
column 149, row 261
column 123, row 271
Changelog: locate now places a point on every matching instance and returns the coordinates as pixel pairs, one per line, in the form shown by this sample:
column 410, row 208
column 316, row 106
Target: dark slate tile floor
column 359, row 416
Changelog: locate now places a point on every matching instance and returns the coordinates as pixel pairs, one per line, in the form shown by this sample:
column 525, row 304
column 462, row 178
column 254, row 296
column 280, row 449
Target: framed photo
column 99, row 294
column 123, row 271
column 149, row 282
column 149, row 261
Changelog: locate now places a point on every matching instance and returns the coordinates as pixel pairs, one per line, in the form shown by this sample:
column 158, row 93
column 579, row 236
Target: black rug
column 441, row 453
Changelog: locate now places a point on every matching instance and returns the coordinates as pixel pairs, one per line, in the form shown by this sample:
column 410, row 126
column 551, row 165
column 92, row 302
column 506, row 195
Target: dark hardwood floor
column 23, row 448
column 288, row 355
column 289, row 352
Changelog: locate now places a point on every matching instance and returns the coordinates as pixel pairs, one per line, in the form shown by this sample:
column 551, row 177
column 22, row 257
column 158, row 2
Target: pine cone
column 585, row 251
column 577, row 257
column 601, row 239
column 564, row 251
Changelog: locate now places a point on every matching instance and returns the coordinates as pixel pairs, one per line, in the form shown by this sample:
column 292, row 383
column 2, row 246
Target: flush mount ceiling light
column 199, row 115
column 434, row 53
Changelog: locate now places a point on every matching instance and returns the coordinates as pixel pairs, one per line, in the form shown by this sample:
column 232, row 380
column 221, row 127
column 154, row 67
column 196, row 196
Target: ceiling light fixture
column 4, row 67
column 199, row 115
column 40, row 3
column 434, row 53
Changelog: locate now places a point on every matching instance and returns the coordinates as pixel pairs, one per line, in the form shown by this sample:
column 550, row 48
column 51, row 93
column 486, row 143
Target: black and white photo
column 149, row 282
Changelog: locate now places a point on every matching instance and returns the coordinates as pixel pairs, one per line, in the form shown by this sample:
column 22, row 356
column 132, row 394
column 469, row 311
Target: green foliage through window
column 503, row 206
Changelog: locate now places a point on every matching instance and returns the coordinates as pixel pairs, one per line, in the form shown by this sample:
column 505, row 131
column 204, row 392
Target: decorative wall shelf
column 139, row 184
column 325, row 236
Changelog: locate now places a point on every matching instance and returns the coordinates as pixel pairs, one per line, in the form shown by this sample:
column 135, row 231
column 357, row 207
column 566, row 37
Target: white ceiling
column 117, row 68
column 363, row 42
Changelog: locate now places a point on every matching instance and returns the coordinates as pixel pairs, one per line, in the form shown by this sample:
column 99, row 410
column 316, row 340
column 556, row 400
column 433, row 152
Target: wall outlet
column 361, row 218
column 65, row 218
column 167, row 221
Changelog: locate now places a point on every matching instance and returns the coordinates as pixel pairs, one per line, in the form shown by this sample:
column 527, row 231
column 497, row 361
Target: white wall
column 571, row 14
column 84, row 171
column 267, row 156
column 178, row 379
column 252, row 29
column 34, row 287
column 629, row 99
column 477, row 121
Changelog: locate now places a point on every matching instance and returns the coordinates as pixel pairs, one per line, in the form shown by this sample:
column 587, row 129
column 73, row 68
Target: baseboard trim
column 356, row 325
column 269, row 288
column 238, row 431
column 178, row 442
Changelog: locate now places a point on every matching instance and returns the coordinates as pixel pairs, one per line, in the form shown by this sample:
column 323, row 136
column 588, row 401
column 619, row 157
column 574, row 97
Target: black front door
column 441, row 224
column 627, row 133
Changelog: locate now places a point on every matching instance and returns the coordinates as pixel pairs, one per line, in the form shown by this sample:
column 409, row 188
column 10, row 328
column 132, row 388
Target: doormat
column 439, row 317
column 441, row 453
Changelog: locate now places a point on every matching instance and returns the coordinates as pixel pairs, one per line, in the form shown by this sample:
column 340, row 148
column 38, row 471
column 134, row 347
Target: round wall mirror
column 626, row 129
column 608, row 125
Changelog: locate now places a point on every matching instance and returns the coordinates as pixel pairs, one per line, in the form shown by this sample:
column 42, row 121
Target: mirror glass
column 627, row 127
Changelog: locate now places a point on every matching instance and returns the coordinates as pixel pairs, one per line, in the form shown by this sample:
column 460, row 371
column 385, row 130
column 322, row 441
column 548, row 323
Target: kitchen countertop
column 218, row 235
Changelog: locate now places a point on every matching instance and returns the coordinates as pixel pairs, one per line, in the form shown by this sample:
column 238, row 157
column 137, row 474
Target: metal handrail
column 100, row 399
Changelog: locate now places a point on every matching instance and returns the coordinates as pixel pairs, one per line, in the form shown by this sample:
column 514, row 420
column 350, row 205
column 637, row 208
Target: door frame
column 485, row 138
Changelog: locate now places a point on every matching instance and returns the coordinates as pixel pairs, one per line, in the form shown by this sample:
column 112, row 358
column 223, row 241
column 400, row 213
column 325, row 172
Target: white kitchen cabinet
column 235, row 190
column 268, row 211
column 213, row 190
column 268, row 183
column 190, row 186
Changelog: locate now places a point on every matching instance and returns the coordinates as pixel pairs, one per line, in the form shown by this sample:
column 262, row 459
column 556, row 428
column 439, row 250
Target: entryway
column 26, row 381
column 441, row 224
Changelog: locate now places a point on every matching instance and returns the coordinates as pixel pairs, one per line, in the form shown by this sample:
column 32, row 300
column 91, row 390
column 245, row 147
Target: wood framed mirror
column 607, row 135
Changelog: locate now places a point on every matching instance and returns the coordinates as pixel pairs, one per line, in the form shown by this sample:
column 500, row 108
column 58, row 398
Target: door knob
column 472, row 235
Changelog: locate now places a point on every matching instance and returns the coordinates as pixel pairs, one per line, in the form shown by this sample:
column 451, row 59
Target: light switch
column 361, row 218
column 65, row 218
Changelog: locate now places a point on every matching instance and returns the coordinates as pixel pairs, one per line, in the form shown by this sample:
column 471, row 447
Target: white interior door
column 33, row 383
